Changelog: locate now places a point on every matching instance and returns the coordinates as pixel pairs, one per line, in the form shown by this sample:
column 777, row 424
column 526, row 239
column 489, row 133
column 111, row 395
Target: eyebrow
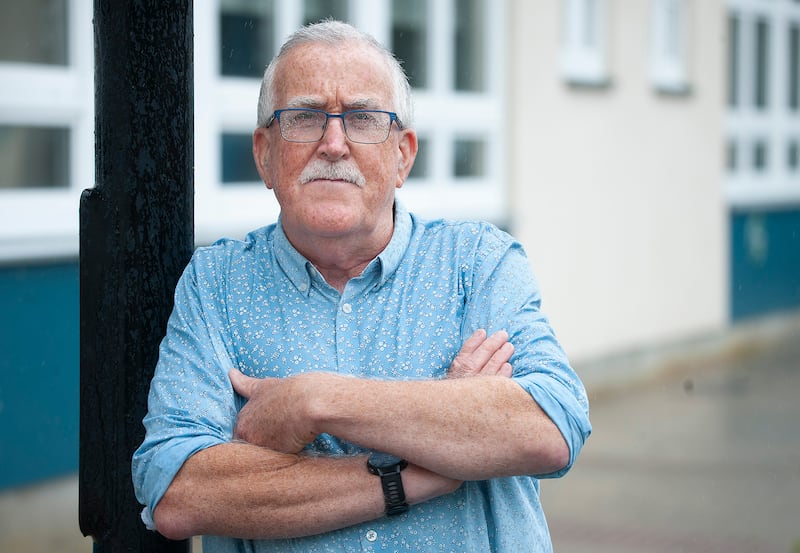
column 305, row 102
column 316, row 103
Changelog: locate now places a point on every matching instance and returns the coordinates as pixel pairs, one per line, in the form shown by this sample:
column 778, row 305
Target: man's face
column 334, row 79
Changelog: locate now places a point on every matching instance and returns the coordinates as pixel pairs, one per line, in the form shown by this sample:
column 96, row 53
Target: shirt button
column 372, row 535
column 303, row 287
column 347, row 308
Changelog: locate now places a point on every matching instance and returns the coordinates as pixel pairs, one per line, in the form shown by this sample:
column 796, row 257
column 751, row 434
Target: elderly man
column 354, row 378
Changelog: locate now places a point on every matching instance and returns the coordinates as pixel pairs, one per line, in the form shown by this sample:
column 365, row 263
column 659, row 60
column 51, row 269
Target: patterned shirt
column 260, row 306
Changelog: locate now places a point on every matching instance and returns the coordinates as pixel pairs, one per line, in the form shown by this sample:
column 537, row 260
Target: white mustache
column 323, row 170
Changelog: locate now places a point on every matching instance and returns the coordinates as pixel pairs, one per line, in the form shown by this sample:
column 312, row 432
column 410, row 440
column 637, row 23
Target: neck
column 341, row 258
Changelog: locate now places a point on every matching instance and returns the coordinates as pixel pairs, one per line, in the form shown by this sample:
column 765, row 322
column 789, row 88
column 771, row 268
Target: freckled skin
column 339, row 226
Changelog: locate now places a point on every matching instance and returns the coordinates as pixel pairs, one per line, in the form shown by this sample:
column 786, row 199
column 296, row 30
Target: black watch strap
column 393, row 493
column 392, row 483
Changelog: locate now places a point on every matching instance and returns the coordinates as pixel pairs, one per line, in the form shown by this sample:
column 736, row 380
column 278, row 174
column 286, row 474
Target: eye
column 303, row 118
column 363, row 119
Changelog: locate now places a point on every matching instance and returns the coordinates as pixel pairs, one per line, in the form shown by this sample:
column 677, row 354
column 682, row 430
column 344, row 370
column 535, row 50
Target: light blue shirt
column 258, row 305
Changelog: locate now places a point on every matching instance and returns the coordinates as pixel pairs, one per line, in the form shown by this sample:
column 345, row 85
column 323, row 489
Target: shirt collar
column 392, row 255
column 300, row 271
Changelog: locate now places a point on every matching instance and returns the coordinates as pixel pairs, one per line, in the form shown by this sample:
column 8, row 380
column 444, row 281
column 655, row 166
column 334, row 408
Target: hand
column 483, row 356
column 273, row 415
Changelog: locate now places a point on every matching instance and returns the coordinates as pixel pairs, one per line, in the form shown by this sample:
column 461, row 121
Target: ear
column 261, row 150
column 406, row 154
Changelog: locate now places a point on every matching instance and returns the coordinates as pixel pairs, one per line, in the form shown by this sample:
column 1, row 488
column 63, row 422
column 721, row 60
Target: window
column 420, row 169
column 763, row 92
column 46, row 125
column 34, row 157
column 794, row 67
column 454, row 52
column 793, row 156
column 583, row 48
column 668, row 45
column 732, row 155
column 410, row 39
column 317, row 10
column 733, row 60
column 469, row 46
column 34, row 31
column 469, row 159
column 246, row 37
column 237, row 159
column 760, row 155
column 761, row 65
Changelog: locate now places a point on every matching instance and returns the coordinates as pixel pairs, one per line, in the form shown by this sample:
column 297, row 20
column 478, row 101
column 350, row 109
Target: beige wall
column 617, row 191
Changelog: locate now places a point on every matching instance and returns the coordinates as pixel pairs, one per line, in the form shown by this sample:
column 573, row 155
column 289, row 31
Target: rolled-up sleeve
column 504, row 295
column 191, row 402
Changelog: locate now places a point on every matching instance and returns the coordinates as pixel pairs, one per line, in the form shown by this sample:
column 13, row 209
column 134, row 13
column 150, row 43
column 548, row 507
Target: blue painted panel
column 765, row 262
column 39, row 372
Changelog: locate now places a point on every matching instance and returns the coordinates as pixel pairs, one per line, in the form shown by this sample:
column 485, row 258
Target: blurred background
column 645, row 152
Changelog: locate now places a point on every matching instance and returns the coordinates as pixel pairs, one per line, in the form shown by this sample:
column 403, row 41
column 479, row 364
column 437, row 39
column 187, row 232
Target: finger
column 506, row 370
column 489, row 347
column 498, row 359
column 243, row 385
column 503, row 355
column 472, row 343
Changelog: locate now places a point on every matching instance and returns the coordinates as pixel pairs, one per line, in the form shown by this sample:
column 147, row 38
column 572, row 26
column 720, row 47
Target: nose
column 333, row 144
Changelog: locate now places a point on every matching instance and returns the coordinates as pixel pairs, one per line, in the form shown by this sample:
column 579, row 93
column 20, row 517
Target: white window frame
column 584, row 42
column 746, row 125
column 39, row 223
column 669, row 36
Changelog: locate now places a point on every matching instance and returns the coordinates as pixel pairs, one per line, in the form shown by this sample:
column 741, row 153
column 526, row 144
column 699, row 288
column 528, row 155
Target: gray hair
column 332, row 32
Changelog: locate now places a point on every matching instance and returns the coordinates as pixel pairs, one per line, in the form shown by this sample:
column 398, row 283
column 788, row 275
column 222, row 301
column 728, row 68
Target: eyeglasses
column 364, row 126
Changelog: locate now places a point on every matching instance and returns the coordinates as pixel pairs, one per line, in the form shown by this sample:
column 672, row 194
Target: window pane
column 588, row 37
column 794, row 67
column 247, row 37
column 793, row 156
column 34, row 157
column 731, row 155
column 760, row 156
column 672, row 26
column 470, row 45
column 761, row 64
column 316, row 10
column 237, row 159
column 33, row 31
column 421, row 167
column 470, row 158
column 733, row 60
column 410, row 39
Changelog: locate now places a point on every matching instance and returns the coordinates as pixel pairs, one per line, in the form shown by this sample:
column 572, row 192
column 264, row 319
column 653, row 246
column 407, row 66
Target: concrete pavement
column 705, row 458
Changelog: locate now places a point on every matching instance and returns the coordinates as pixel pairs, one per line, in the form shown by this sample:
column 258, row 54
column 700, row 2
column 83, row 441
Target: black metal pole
column 136, row 236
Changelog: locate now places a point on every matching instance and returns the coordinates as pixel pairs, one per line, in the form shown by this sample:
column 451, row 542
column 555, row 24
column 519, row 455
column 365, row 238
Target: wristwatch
column 388, row 467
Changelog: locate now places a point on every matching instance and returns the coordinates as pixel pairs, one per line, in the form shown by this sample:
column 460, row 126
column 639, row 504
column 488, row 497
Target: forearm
column 246, row 491
column 469, row 428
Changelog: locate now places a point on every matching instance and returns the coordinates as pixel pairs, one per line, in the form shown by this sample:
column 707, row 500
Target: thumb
column 243, row 385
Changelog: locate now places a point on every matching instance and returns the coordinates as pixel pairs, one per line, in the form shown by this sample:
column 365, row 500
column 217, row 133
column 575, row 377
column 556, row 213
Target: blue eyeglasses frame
column 276, row 115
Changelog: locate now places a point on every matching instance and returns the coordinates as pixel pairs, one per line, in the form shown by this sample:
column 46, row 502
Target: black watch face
column 383, row 460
